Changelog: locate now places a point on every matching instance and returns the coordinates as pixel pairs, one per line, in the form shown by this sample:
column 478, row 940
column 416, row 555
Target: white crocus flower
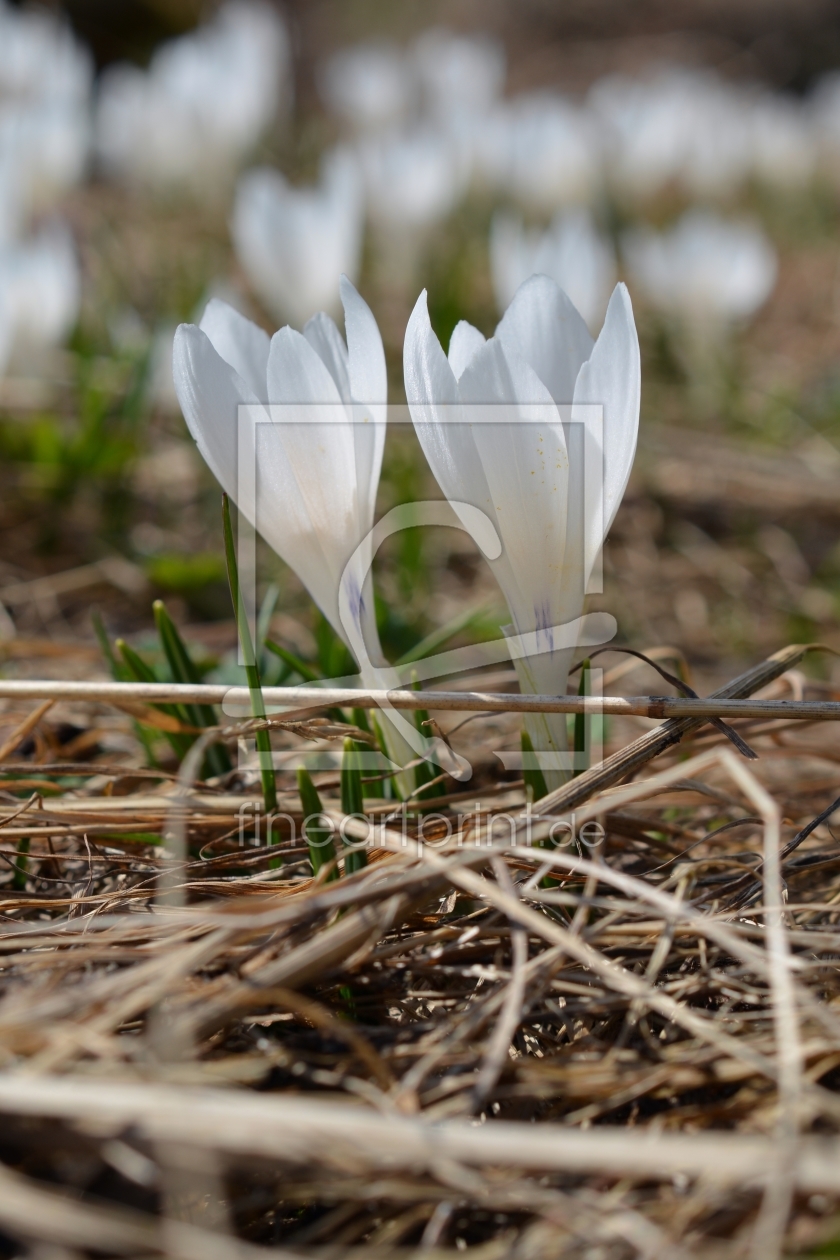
column 459, row 73
column 203, row 103
column 488, row 421
column 706, row 271
column 293, row 242
column 368, row 86
column 824, row 110
column 40, row 283
column 572, row 252
column 45, row 86
column 317, row 446
column 413, row 179
column 548, row 152
column 673, row 126
column 783, row 141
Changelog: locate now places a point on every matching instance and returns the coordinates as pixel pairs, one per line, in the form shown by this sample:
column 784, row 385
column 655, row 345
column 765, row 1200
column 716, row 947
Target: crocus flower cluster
column 193, row 116
column 425, row 123
column 45, row 85
column 501, row 422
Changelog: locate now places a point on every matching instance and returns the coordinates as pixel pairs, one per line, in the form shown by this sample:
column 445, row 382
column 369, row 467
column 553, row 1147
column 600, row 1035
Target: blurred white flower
column 643, row 130
column 12, row 214
column 45, row 126
column 459, row 73
column 571, row 251
column 673, row 126
column 413, row 179
column 318, row 458
column 522, row 468
column 293, row 242
column 783, row 141
column 40, row 293
column 824, row 108
column 547, row 152
column 705, row 270
column 40, row 59
column 203, row 103
column 368, row 86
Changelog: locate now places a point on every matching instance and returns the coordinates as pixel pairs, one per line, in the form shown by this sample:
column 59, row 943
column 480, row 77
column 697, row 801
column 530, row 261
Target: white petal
column 463, row 344
column 298, row 374
column 240, row 343
column 435, row 404
column 328, row 344
column 317, row 435
column 522, row 449
column 612, row 377
column 210, row 391
column 542, row 327
column 429, row 380
column 368, row 374
column 369, row 390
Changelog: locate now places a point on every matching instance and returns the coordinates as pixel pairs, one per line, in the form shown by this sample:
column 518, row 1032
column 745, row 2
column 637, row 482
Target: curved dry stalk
column 511, row 1011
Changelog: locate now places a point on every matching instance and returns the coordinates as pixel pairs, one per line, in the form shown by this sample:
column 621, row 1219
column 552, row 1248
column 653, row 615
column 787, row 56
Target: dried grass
column 527, row 1052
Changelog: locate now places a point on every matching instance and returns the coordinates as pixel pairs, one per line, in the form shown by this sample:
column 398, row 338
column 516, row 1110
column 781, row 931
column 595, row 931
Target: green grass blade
column 443, row 634
column 184, row 670
column 425, row 771
column 136, row 669
column 318, row 838
column 21, row 866
column 307, row 673
column 263, row 741
column 390, row 786
column 583, row 725
column 120, row 673
column 352, row 802
column 531, row 773
column 265, row 614
column 360, row 718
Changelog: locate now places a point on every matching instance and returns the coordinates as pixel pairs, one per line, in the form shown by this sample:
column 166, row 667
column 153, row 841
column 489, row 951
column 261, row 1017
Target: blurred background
column 157, row 153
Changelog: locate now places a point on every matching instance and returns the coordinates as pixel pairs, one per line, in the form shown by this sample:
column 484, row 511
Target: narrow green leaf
column 436, row 639
column 184, row 670
column 307, row 673
column 21, row 866
column 425, row 771
column 352, row 802
column 531, row 772
column 136, row 669
column 390, row 786
column 583, row 725
column 375, row 789
column 318, row 838
column 360, row 719
column 117, row 670
column 120, row 673
column 265, row 614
